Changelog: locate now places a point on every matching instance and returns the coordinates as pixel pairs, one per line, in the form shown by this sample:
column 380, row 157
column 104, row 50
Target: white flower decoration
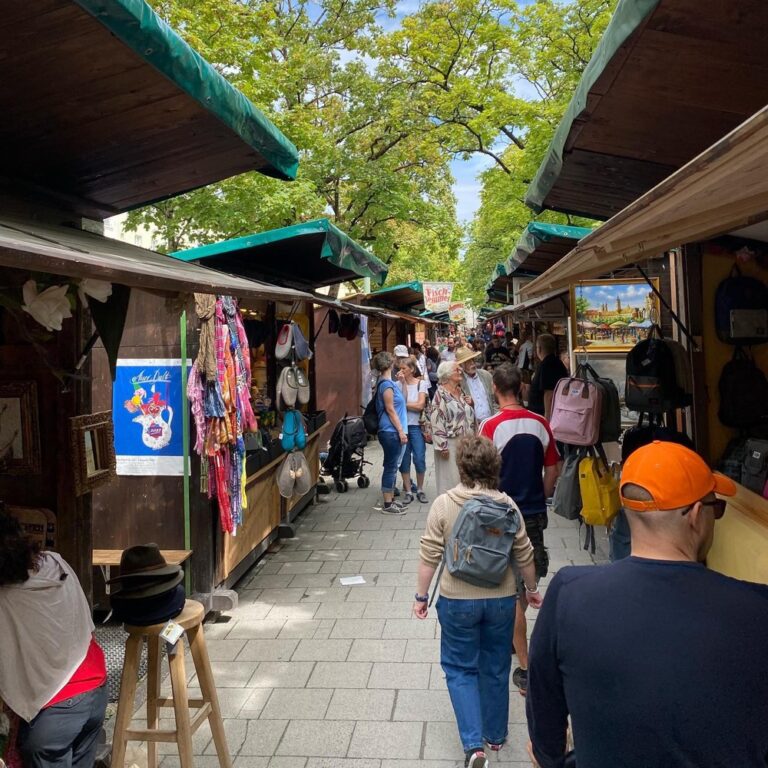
column 48, row 308
column 96, row 289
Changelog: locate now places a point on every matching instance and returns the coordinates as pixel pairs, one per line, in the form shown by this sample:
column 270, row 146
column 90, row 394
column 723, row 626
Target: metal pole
column 185, row 443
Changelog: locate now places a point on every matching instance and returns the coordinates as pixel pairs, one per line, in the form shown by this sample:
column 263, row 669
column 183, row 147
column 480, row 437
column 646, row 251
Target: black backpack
column 651, row 381
column 610, row 414
column 743, row 392
column 644, row 434
column 371, row 414
column 741, row 310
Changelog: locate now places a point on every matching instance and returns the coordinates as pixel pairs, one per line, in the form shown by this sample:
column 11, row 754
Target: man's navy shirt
column 660, row 665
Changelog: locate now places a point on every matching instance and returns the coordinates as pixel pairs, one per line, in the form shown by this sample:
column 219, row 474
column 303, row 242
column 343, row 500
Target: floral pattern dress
column 451, row 418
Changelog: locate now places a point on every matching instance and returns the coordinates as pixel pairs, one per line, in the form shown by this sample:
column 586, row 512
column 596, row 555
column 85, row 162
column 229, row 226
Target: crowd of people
column 651, row 661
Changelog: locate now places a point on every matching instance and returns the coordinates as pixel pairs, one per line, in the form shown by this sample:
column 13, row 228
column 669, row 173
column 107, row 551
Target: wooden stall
column 111, row 150
column 304, row 256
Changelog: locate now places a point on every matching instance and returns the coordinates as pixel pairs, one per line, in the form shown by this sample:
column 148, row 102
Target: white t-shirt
column 412, row 392
column 448, row 355
column 525, row 356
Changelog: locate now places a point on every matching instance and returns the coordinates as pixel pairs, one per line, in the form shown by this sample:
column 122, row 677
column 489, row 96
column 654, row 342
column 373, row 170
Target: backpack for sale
column 566, row 500
column 683, row 372
column 732, row 461
column 599, row 488
column 644, row 434
column 479, row 548
column 754, row 472
column 743, row 391
column 741, row 310
column 610, row 416
column 576, row 411
column 651, row 385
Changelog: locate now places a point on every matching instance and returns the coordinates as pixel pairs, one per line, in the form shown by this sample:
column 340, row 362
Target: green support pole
column 185, row 443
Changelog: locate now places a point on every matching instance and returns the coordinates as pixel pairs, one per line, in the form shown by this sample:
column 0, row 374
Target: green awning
column 401, row 296
column 304, row 256
column 541, row 245
column 628, row 16
column 139, row 27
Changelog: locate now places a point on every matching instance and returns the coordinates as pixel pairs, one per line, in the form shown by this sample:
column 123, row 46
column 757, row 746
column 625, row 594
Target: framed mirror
column 93, row 450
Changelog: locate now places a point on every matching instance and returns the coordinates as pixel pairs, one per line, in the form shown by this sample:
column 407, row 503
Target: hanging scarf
column 205, row 307
column 195, row 397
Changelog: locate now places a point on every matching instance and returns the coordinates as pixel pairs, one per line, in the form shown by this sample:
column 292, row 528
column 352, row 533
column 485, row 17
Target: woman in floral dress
column 452, row 417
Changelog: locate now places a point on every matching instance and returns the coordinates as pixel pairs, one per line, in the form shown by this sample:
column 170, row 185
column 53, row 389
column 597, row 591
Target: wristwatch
column 421, row 598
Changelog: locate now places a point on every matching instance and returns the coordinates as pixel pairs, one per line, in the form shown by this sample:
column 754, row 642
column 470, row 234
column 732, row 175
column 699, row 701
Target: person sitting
column 52, row 670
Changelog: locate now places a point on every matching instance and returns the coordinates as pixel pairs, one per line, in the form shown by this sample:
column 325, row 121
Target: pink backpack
column 576, row 410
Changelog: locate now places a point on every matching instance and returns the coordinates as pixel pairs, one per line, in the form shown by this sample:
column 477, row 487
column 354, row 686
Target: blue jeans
column 476, row 656
column 393, row 452
column 65, row 735
column 416, row 448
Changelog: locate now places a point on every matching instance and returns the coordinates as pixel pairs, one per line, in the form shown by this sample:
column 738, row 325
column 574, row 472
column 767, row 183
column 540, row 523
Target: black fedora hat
column 143, row 563
column 142, row 587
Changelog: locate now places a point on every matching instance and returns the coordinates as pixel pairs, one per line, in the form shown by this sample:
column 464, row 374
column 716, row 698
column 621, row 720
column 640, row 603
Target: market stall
column 722, row 193
column 139, row 117
column 308, row 256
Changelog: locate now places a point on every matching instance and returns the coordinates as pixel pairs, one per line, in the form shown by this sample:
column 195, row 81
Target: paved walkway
column 312, row 674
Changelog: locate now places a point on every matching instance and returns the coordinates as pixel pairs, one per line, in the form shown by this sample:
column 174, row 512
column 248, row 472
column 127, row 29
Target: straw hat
column 465, row 354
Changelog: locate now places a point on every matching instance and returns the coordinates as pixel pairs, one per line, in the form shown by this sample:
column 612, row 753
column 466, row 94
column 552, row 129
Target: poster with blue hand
column 147, row 404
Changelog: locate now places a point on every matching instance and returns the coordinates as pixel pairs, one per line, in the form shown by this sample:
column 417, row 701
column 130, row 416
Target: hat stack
column 148, row 590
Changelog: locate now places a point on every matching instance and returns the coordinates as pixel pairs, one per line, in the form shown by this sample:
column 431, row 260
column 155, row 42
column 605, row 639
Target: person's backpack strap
column 437, row 581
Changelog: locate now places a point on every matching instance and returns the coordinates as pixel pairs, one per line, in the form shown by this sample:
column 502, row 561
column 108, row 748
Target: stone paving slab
column 312, row 674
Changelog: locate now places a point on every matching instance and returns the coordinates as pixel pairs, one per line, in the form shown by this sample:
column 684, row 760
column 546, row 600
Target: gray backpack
column 479, row 549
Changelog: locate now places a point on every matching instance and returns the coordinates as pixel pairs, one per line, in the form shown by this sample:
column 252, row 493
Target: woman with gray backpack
column 476, row 536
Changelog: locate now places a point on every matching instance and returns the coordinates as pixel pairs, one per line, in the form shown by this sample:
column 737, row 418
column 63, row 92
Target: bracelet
column 531, row 591
column 421, row 598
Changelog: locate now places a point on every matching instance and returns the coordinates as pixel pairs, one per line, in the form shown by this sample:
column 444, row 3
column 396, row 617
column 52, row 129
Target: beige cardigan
column 440, row 521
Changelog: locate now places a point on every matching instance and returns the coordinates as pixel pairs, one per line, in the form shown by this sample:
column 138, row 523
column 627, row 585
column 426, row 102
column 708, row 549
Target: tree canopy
column 379, row 109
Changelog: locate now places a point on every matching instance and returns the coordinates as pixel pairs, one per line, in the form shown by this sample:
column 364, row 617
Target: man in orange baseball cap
column 658, row 661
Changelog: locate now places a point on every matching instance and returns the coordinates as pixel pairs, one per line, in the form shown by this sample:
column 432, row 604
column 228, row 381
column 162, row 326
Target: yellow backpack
column 599, row 491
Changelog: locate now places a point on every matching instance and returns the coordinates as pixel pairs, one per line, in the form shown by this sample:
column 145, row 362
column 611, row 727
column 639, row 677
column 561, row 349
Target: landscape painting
column 613, row 315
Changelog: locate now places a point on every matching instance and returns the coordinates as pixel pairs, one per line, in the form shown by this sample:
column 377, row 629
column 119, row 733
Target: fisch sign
column 437, row 296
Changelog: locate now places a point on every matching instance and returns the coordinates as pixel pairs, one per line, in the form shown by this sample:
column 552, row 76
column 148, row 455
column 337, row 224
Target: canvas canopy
column 106, row 109
column 668, row 79
column 304, row 256
column 401, row 296
column 723, row 190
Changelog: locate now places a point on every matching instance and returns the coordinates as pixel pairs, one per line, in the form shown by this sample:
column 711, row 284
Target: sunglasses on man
column 718, row 507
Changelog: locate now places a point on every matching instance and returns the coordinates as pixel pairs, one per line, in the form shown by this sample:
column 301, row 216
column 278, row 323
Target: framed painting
column 612, row 315
column 19, row 429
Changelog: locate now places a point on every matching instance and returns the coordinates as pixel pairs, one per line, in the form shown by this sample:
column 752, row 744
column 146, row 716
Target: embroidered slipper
column 284, row 341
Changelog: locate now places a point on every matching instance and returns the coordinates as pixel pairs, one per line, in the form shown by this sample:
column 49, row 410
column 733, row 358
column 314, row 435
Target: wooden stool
column 191, row 619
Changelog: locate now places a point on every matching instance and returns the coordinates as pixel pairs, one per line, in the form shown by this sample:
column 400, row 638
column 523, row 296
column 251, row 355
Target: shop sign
column 147, row 407
column 437, row 296
column 457, row 312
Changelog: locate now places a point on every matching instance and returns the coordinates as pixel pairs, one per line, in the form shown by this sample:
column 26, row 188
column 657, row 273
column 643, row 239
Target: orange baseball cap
column 674, row 475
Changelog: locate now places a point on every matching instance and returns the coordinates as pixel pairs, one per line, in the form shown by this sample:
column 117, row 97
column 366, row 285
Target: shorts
column 534, row 527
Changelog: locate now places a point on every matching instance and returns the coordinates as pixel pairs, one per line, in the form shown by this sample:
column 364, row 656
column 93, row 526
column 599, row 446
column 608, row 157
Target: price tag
column 171, row 632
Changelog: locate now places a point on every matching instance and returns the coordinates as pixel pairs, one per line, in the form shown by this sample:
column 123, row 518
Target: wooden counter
column 266, row 510
column 740, row 547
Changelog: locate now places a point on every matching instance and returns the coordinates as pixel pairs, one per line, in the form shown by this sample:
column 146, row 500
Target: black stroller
column 346, row 454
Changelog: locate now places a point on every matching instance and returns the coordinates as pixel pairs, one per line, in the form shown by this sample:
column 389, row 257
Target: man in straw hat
column 476, row 384
column 658, row 661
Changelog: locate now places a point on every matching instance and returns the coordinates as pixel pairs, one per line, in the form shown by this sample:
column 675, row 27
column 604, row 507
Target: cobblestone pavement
column 312, row 674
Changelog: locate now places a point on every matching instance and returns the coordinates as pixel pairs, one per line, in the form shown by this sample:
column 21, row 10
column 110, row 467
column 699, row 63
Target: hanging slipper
column 284, row 341
column 303, row 477
column 300, row 344
column 287, row 388
column 291, row 428
column 286, row 477
column 301, row 431
column 302, row 383
column 333, row 321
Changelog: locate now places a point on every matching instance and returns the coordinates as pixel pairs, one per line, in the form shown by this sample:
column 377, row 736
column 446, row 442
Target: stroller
column 346, row 454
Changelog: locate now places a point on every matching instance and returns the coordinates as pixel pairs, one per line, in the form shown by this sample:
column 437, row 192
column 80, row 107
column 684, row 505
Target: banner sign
column 457, row 312
column 437, row 296
column 147, row 404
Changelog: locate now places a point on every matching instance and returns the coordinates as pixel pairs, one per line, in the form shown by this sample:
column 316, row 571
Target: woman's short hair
column 412, row 364
column 479, row 462
column 445, row 370
column 18, row 555
column 546, row 343
column 433, row 354
column 382, row 362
